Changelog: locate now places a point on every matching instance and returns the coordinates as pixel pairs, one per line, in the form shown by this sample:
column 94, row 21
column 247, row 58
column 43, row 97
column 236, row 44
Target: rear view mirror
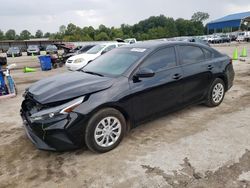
column 144, row 73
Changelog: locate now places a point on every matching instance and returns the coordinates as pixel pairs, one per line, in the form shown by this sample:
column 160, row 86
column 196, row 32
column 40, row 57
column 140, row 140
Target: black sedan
column 121, row 89
column 14, row 52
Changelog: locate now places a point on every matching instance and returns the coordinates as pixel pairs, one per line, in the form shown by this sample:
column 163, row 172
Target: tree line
column 152, row 28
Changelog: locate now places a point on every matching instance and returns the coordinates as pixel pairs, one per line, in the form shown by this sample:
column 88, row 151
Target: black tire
column 210, row 100
column 93, row 123
column 54, row 65
column 60, row 64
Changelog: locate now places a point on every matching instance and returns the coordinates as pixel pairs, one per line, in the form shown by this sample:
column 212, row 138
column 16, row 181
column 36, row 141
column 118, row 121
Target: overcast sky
column 48, row 15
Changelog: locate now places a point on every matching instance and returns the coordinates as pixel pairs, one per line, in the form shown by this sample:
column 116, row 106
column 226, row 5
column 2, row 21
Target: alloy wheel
column 218, row 93
column 108, row 131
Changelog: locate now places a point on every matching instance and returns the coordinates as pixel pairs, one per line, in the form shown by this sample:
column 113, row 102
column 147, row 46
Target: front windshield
column 95, row 49
column 115, row 62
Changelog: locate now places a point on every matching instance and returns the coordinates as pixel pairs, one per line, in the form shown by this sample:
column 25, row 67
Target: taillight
column 231, row 61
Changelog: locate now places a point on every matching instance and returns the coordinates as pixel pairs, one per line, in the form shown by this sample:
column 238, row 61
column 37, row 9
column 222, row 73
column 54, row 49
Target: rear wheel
column 105, row 130
column 216, row 93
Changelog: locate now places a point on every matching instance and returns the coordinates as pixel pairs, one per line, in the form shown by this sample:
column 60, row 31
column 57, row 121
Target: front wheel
column 216, row 93
column 105, row 130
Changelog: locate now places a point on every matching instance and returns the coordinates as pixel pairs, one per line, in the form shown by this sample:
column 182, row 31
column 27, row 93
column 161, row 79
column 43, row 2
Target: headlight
column 79, row 60
column 56, row 111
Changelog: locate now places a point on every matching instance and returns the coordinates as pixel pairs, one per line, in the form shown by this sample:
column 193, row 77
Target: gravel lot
column 195, row 147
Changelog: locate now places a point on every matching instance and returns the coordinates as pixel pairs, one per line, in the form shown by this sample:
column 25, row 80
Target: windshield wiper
column 93, row 73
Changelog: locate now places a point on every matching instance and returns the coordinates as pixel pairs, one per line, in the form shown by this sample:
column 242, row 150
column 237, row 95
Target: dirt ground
column 195, row 147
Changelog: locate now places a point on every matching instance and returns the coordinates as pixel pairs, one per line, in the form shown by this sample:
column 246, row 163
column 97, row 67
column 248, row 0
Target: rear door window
column 207, row 53
column 160, row 60
column 191, row 54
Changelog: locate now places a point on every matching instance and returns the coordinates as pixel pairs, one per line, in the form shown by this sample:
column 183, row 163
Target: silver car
column 33, row 49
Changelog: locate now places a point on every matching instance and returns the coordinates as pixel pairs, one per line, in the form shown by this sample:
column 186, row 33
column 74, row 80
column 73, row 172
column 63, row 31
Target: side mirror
column 144, row 73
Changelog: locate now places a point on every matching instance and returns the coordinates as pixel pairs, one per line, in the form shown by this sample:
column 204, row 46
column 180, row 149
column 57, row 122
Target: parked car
column 130, row 41
column 33, row 49
column 193, row 39
column 84, row 49
column 14, row 51
column 233, row 36
column 121, row 89
column 51, row 49
column 204, row 38
column 69, row 53
column 79, row 61
column 225, row 38
column 243, row 36
column 215, row 39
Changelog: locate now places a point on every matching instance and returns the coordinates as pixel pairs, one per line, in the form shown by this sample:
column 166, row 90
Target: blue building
column 229, row 23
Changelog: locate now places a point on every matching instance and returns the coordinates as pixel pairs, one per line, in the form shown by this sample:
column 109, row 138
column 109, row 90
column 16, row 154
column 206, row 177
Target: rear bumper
column 60, row 135
column 35, row 53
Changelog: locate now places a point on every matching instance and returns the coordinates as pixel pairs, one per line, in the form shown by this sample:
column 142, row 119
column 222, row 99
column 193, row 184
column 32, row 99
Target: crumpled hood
column 68, row 85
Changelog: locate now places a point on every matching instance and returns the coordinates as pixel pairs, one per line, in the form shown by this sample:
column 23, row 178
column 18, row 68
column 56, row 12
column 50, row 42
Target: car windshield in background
column 116, row 62
column 51, row 47
column 32, row 47
column 95, row 49
column 14, row 49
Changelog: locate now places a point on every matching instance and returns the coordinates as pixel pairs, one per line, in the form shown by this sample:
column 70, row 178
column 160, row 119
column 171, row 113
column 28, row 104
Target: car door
column 159, row 93
column 197, row 73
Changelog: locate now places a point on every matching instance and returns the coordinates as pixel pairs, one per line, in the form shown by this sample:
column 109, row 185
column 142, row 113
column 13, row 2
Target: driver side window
column 160, row 60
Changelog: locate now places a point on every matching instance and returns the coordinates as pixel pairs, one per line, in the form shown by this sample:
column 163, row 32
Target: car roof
column 157, row 44
column 111, row 43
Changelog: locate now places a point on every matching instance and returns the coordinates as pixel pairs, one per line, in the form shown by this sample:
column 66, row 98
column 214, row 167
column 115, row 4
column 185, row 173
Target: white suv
column 79, row 61
column 243, row 36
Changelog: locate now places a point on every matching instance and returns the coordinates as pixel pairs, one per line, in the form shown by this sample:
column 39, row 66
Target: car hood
column 67, row 86
column 86, row 57
column 14, row 51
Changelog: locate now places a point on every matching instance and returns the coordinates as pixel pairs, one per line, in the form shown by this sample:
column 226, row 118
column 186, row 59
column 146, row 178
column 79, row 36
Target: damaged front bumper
column 62, row 133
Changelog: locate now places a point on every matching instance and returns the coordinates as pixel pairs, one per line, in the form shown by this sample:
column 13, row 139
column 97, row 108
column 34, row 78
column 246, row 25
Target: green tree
column 62, row 29
column 102, row 37
column 39, row 34
column 199, row 17
column 171, row 29
column 1, row 35
column 10, row 34
column 71, row 29
column 25, row 34
column 47, row 35
column 116, row 33
column 89, row 32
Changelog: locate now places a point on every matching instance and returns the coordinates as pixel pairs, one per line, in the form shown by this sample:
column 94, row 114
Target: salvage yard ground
column 195, row 147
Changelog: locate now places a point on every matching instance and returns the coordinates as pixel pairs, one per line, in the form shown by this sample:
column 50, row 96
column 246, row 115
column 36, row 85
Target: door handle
column 177, row 76
column 210, row 67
